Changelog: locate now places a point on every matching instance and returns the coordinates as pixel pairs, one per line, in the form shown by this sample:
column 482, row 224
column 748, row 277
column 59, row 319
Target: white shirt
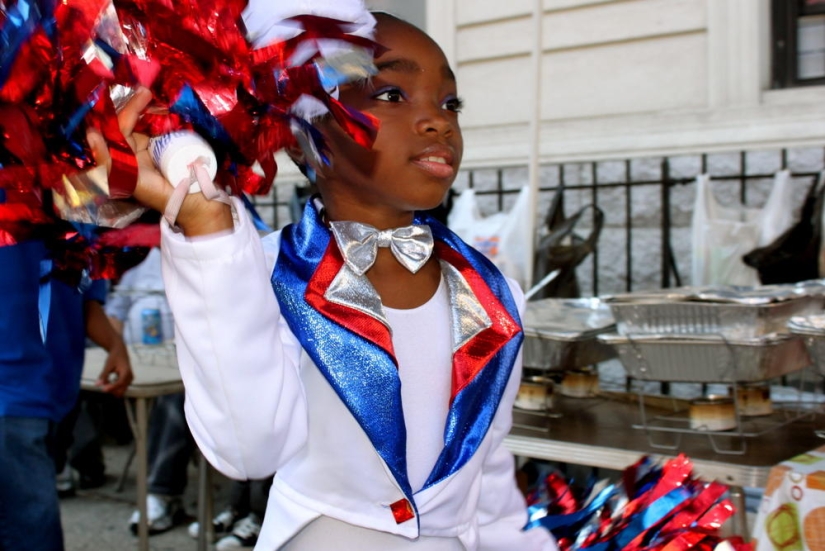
column 141, row 288
column 426, row 378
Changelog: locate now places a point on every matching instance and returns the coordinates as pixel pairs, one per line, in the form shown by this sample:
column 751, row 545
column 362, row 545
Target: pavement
column 98, row 519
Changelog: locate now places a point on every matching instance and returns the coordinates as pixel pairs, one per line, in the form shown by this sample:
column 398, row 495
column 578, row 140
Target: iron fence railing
column 651, row 198
column 276, row 208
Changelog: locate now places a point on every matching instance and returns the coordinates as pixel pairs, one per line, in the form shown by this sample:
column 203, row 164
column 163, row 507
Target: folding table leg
column 206, row 532
column 121, row 481
column 139, row 423
column 740, row 518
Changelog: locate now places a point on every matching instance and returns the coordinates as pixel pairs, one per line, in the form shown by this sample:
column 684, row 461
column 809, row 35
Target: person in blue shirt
column 43, row 324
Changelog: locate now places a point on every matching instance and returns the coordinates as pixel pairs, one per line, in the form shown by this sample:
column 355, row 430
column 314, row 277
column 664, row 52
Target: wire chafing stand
column 711, row 336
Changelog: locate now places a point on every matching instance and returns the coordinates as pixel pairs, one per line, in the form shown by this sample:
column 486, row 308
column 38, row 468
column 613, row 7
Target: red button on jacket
column 402, row 511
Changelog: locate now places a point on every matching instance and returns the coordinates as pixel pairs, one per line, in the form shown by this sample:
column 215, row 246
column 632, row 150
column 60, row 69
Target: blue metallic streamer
column 108, row 50
column 259, row 223
column 68, row 129
column 192, row 109
column 312, row 144
column 652, row 514
column 44, row 297
column 537, row 514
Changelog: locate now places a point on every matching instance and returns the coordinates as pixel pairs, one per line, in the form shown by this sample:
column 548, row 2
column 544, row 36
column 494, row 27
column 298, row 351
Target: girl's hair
column 305, row 169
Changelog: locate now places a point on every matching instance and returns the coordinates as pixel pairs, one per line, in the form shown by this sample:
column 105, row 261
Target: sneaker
column 244, row 534
column 164, row 512
column 65, row 482
column 88, row 481
column 221, row 525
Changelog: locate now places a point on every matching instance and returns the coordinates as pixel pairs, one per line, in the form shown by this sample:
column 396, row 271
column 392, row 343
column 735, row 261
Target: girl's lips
column 437, row 166
column 437, row 161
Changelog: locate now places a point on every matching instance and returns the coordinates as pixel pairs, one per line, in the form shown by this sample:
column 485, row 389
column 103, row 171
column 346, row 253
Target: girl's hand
column 152, row 188
column 197, row 216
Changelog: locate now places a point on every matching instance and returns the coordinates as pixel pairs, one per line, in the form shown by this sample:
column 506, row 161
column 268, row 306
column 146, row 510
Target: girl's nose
column 434, row 119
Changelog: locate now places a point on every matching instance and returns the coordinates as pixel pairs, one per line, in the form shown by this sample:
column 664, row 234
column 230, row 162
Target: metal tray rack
column 812, row 330
column 711, row 335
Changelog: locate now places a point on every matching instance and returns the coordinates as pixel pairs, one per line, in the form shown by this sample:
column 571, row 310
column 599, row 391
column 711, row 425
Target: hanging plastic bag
column 503, row 237
column 722, row 235
column 563, row 249
column 794, row 255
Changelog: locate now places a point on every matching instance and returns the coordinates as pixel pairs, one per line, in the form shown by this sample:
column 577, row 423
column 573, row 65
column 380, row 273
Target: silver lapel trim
column 355, row 291
column 468, row 317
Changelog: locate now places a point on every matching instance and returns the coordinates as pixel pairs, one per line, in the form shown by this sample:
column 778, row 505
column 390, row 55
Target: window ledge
column 802, row 94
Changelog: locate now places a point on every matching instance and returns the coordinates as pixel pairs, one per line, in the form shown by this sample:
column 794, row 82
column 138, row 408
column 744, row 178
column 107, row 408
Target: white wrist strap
column 199, row 174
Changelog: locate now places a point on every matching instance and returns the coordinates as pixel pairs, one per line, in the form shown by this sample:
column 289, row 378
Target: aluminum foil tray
column 540, row 353
column 816, row 348
column 750, row 315
column 813, row 325
column 812, row 330
column 561, row 333
column 733, row 294
column 708, row 359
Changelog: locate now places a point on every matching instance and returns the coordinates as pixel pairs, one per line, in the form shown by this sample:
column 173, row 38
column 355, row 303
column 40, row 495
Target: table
column 791, row 514
column 598, row 432
column 156, row 374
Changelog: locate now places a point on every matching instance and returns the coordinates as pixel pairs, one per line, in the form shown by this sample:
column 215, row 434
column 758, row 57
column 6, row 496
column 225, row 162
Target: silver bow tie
column 411, row 245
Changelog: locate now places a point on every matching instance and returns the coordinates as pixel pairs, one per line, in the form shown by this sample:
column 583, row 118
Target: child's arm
column 245, row 403
column 502, row 511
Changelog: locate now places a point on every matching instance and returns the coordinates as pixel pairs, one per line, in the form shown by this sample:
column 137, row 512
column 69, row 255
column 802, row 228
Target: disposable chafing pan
column 737, row 321
column 561, row 333
column 735, row 312
column 708, row 358
column 812, row 330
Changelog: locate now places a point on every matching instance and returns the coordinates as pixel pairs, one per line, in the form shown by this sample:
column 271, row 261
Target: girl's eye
column 453, row 104
column 393, row 95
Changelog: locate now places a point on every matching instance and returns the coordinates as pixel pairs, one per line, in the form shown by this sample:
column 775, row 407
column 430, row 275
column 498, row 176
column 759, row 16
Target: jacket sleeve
column 502, row 511
column 239, row 361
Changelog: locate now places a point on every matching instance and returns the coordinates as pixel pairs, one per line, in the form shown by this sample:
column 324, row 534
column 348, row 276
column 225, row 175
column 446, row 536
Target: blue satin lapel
column 472, row 411
column 346, row 360
column 351, row 363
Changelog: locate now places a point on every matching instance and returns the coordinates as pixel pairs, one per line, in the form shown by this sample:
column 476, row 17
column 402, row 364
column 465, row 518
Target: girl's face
column 418, row 149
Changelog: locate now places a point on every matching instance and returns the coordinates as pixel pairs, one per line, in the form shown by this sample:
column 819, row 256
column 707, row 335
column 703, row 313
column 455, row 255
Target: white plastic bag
column 503, row 237
column 722, row 235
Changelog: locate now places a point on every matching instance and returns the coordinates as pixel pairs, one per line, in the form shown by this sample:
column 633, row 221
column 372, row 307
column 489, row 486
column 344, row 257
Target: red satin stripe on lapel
column 356, row 321
column 470, row 359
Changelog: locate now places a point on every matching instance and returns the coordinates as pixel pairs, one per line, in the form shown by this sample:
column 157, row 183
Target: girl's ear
column 307, row 163
column 295, row 153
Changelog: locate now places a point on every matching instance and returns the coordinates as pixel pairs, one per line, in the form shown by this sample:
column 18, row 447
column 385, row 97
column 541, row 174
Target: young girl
column 377, row 381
